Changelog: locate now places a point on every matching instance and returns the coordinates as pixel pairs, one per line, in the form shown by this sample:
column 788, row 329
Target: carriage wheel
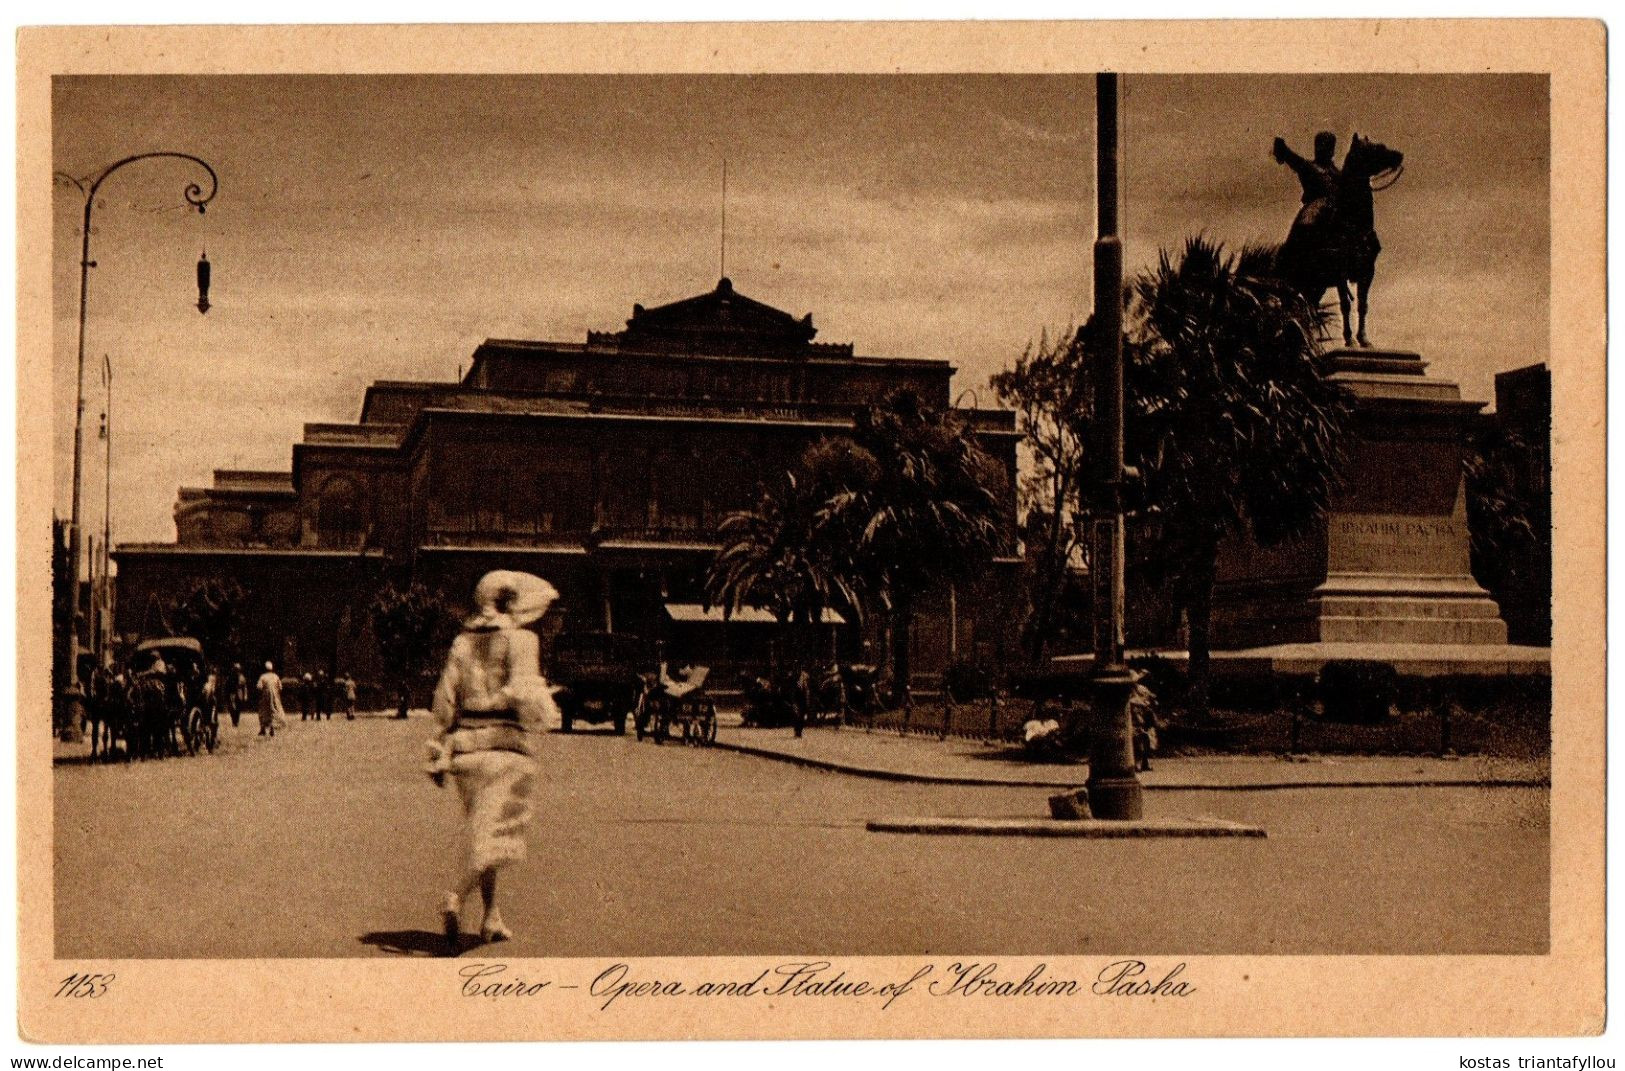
column 193, row 731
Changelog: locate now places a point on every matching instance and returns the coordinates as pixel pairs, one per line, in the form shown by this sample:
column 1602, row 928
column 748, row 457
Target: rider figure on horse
column 1333, row 241
column 1318, row 178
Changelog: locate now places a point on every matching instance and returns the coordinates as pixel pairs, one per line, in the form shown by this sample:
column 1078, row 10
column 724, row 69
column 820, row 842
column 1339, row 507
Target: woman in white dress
column 491, row 705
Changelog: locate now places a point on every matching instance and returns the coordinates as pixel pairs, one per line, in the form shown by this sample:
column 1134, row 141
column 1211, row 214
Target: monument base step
column 1406, row 608
column 1410, row 659
column 1433, row 631
column 1362, row 608
column 1306, row 659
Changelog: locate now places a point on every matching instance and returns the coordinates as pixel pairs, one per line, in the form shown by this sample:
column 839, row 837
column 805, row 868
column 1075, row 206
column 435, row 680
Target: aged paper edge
column 363, row 1000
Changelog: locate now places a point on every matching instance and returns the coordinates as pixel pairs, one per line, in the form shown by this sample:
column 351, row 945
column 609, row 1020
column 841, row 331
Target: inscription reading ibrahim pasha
column 1399, row 544
column 1399, row 529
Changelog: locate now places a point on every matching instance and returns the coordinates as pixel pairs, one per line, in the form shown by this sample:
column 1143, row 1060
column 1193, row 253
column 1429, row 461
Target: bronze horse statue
column 1333, row 241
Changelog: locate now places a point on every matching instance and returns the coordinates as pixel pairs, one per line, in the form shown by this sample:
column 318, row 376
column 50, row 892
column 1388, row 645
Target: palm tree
column 918, row 503
column 777, row 557
column 1234, row 428
column 412, row 624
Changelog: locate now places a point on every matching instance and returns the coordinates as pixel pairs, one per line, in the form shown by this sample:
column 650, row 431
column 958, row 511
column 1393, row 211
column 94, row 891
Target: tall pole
column 198, row 198
column 104, row 635
column 1114, row 790
column 78, row 448
column 93, row 566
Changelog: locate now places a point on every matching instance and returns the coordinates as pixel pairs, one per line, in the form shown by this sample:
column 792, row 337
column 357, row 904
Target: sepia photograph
column 1003, row 533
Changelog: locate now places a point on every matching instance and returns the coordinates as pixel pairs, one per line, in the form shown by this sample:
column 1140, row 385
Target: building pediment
column 721, row 321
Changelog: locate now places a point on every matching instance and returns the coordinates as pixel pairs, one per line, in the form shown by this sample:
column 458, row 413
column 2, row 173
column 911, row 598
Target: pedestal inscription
column 1390, row 564
column 1378, row 543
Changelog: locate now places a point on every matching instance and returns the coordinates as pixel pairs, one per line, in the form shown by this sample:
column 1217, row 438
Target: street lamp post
column 104, row 630
column 1114, row 789
column 195, row 196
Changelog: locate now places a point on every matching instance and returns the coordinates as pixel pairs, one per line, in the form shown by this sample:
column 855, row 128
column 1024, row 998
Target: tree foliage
column 867, row 522
column 211, row 612
column 1232, row 425
column 778, row 556
column 1230, row 422
column 1049, row 391
column 917, row 502
column 1503, row 511
column 412, row 625
column 1509, row 519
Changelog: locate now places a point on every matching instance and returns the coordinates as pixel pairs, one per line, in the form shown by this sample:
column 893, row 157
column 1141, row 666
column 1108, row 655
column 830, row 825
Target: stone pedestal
column 1389, row 565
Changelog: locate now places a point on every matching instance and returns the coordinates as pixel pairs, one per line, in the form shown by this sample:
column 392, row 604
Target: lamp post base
column 1120, row 798
column 1115, row 792
column 70, row 716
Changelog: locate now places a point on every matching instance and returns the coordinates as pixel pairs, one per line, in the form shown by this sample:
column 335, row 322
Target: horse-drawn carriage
column 675, row 704
column 193, row 689
column 796, row 697
column 165, row 702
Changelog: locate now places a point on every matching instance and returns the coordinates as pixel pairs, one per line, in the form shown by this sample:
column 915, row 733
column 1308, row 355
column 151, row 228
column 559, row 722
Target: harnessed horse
column 1336, row 248
column 107, row 713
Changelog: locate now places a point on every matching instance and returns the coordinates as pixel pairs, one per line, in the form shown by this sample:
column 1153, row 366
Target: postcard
column 779, row 531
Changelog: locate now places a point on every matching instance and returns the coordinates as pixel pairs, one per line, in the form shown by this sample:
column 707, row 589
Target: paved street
column 328, row 841
column 958, row 760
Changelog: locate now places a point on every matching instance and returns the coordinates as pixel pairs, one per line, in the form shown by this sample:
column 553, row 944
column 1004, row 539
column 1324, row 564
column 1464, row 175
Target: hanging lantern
column 203, row 283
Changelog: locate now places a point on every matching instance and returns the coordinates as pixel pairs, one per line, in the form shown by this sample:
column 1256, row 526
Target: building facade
column 604, row 466
column 1520, row 575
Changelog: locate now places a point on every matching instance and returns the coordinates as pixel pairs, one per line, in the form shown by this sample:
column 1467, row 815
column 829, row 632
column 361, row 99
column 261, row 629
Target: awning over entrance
column 688, row 613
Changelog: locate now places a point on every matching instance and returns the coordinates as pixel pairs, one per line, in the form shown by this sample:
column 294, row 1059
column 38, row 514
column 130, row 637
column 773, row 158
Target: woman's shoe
column 493, row 931
column 450, row 910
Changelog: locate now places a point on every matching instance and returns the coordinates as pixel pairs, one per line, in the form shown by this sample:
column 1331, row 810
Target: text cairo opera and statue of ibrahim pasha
column 604, row 466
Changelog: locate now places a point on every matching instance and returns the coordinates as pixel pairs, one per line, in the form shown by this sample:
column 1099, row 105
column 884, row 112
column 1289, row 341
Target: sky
column 380, row 228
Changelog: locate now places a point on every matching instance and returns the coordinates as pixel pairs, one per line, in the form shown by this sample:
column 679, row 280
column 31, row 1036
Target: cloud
column 380, row 228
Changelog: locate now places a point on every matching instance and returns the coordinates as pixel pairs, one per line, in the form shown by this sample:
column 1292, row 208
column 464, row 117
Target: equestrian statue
column 1333, row 241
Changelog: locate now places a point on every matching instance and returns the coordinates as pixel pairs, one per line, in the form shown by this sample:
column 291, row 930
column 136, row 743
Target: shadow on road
column 416, row 942
column 76, row 760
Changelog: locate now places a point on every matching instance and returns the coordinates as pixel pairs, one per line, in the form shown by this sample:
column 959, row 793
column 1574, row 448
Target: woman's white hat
column 506, row 598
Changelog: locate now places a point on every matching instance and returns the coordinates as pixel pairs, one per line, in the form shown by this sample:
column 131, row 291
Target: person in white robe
column 269, row 687
column 490, row 706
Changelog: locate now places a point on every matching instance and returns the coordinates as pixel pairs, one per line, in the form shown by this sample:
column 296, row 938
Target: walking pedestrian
column 347, row 690
column 237, row 698
column 1142, row 707
column 270, row 700
column 307, row 697
column 324, row 696
column 490, row 706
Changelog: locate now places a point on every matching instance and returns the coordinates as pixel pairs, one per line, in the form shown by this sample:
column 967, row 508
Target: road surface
column 328, row 841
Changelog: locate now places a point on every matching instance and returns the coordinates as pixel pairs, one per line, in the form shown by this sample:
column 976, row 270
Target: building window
column 681, row 491
column 624, row 489
column 338, row 515
column 490, row 494
column 563, row 491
